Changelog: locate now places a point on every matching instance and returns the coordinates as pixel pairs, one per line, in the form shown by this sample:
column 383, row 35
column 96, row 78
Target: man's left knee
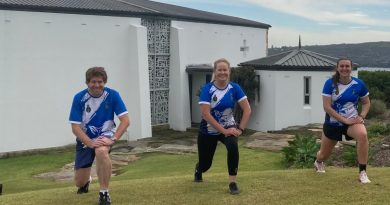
column 102, row 151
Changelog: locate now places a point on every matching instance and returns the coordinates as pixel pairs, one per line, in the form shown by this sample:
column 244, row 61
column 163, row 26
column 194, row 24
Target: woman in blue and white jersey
column 341, row 95
column 217, row 100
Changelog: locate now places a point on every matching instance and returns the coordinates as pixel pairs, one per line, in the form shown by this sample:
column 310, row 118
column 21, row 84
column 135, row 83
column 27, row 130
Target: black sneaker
column 233, row 188
column 198, row 174
column 84, row 189
column 104, row 198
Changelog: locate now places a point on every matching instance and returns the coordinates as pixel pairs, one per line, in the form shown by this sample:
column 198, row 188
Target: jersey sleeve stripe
column 75, row 122
column 365, row 95
column 243, row 98
column 327, row 95
column 123, row 113
column 204, row 102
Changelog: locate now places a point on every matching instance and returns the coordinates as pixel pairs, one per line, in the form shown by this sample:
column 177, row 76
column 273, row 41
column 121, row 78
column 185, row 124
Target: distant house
column 146, row 46
column 290, row 89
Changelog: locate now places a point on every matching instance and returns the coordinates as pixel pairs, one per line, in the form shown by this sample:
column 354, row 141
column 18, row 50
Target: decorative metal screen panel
column 158, row 57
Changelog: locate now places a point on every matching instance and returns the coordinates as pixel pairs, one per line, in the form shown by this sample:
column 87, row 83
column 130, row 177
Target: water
column 373, row 69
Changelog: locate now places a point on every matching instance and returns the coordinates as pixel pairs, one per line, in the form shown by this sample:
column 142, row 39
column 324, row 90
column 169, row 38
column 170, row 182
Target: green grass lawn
column 167, row 179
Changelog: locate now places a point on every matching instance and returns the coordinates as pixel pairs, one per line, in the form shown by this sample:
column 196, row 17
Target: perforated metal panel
column 158, row 56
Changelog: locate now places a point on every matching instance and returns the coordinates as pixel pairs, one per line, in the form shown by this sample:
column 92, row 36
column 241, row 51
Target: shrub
column 377, row 129
column 377, row 109
column 301, row 152
column 349, row 155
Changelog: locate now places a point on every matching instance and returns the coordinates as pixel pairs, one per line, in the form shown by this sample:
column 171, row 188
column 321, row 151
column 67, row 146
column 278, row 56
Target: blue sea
column 373, row 69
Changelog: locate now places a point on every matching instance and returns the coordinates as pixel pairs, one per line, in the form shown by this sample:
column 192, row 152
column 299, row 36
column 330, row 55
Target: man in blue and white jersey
column 92, row 120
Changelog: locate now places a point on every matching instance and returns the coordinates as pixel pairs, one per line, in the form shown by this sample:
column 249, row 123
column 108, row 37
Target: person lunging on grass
column 217, row 100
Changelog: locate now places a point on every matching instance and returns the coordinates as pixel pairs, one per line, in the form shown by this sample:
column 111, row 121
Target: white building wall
column 179, row 102
column 282, row 100
column 204, row 43
column 44, row 57
column 263, row 111
column 290, row 106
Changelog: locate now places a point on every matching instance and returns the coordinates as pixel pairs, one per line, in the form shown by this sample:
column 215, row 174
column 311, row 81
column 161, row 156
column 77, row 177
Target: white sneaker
column 319, row 167
column 363, row 178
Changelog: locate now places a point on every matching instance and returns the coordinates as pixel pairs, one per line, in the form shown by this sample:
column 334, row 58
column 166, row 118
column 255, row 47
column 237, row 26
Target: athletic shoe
column 363, row 178
column 104, row 198
column 319, row 167
column 233, row 188
column 198, row 174
column 84, row 189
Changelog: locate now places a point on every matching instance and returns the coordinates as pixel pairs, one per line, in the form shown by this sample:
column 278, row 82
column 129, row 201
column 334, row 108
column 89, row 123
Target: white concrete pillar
column 138, row 85
column 179, row 99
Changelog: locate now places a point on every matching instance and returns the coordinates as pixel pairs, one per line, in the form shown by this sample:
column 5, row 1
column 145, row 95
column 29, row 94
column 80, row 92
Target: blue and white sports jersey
column 221, row 105
column 96, row 115
column 346, row 102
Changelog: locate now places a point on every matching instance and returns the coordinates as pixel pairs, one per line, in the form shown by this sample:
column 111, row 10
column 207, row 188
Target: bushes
column 377, row 129
column 301, row 152
column 378, row 83
column 377, row 109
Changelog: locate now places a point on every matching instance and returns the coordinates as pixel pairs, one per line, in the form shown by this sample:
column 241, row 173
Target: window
column 306, row 93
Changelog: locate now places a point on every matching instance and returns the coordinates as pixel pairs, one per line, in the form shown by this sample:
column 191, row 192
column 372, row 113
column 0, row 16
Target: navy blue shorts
column 84, row 156
column 336, row 132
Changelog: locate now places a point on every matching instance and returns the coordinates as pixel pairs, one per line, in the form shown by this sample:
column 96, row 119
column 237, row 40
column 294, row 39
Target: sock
column 362, row 167
column 104, row 190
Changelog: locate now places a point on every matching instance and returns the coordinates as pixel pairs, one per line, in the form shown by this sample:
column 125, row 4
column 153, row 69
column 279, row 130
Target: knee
column 362, row 138
column 102, row 152
column 231, row 143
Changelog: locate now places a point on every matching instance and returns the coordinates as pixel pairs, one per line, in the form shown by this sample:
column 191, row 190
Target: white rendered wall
column 179, row 102
column 290, row 98
column 202, row 43
column 44, row 57
column 282, row 100
column 263, row 111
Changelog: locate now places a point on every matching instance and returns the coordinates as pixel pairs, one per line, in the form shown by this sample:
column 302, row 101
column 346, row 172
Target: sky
column 318, row 22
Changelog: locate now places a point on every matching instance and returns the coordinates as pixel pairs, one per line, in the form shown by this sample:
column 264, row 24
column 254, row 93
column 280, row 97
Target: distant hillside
column 373, row 54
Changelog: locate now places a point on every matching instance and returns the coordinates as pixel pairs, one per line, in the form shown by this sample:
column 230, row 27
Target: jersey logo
column 215, row 98
column 88, row 109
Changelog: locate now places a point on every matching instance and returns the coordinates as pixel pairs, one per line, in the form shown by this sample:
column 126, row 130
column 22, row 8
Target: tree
column 246, row 77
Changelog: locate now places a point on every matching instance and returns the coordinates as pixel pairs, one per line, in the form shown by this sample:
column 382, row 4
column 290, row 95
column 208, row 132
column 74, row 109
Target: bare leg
column 326, row 148
column 81, row 176
column 103, row 166
column 359, row 133
column 232, row 178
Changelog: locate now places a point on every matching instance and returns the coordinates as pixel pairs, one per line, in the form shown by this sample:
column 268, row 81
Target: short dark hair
column 95, row 72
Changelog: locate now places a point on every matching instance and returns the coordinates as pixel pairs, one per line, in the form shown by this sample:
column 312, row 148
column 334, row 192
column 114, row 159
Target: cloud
column 277, row 36
column 331, row 11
